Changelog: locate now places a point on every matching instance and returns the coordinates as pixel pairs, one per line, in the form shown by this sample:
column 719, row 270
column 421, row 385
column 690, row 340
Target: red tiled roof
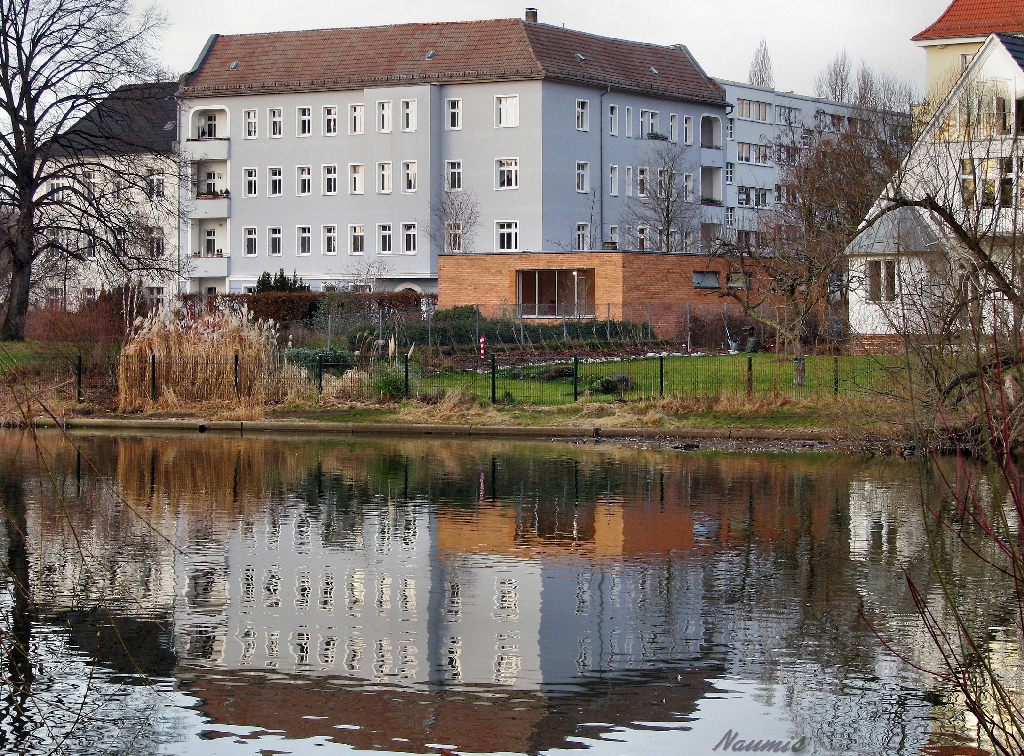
column 495, row 50
column 977, row 18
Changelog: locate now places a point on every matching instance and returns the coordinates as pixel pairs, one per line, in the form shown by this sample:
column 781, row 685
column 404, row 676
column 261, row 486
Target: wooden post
column 237, row 392
column 750, row 375
column 152, row 377
column 494, row 378
column 78, row 378
column 661, row 376
column 575, row 379
column 319, row 374
column 406, row 356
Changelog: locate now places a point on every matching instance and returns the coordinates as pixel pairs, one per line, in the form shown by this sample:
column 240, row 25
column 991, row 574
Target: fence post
column 319, row 374
column 750, row 375
column 329, row 324
column 494, row 378
column 152, row 377
column 835, row 375
column 575, row 379
column 238, row 393
column 661, row 376
column 406, row 356
column 380, row 329
column 689, row 345
column 78, row 378
column 430, row 324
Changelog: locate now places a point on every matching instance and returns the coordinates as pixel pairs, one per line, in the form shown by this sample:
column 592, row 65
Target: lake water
column 206, row 594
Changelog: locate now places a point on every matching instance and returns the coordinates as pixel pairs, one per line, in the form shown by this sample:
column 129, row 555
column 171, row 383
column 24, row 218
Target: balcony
column 208, row 149
column 208, row 267
column 208, row 206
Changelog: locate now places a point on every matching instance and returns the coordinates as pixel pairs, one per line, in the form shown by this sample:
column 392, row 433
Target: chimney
column 531, row 15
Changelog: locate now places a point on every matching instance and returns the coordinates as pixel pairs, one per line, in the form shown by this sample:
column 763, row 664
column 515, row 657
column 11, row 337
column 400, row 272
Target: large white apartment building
column 329, row 152
column 765, row 129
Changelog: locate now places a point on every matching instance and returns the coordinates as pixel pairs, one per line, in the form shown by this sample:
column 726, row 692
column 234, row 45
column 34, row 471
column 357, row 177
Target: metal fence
column 310, row 378
column 684, row 326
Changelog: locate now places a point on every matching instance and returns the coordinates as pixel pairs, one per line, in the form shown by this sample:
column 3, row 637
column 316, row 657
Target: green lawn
column 683, row 376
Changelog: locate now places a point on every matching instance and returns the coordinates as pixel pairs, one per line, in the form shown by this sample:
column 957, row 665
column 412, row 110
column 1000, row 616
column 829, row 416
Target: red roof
column 495, row 50
column 977, row 18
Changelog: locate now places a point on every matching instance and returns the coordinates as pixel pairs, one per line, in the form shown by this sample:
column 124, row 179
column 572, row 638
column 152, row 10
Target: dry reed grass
column 195, row 358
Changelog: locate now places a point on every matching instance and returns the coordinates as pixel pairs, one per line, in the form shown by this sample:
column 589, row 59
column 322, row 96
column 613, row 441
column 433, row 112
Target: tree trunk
column 13, row 328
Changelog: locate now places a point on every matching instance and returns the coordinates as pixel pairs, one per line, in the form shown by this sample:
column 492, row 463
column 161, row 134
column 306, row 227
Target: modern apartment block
column 765, row 130
column 338, row 153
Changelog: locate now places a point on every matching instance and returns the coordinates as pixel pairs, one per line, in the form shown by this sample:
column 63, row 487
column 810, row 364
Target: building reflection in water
column 492, row 596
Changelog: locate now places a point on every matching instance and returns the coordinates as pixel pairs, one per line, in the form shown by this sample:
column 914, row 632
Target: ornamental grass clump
column 224, row 356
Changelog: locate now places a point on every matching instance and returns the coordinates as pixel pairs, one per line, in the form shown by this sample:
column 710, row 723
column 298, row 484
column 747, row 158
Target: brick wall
column 625, row 283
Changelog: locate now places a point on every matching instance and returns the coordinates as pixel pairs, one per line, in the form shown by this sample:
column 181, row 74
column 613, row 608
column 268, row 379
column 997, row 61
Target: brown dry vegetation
column 222, row 357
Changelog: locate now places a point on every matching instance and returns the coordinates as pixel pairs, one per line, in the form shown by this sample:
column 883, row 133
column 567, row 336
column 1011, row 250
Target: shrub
column 335, row 361
column 389, row 382
column 613, row 384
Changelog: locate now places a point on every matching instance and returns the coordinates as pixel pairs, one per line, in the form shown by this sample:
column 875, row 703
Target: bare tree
column 788, row 258
column 761, row 74
column 665, row 213
column 833, row 82
column 69, row 191
column 455, row 220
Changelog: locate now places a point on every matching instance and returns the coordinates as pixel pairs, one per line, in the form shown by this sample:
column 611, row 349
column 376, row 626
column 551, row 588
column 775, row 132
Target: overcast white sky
column 802, row 35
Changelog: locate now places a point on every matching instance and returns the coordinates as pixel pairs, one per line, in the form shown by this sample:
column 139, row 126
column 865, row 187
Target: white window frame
column 384, row 178
column 730, row 172
column 352, row 234
column 673, row 128
column 329, row 174
column 328, row 233
column 613, row 234
column 730, row 217
column 409, row 115
column 613, row 120
column 410, row 179
column 385, row 230
column 582, row 176
column 513, row 171
column 251, row 124
column 303, row 120
column 687, row 129
column 730, row 128
column 356, row 178
column 582, row 238
column 275, row 233
column 454, row 236
column 582, row 115
column 643, row 178
column 506, row 111
column 299, row 237
column 275, row 117
column 745, row 153
column 453, row 107
column 384, row 116
column 406, row 229
column 453, row 168
column 330, row 119
column 613, row 180
column 629, row 181
column 251, row 181
column 270, row 181
column 629, row 122
column 249, row 235
column 356, row 118
column 689, row 193
column 300, row 176
column 513, row 228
